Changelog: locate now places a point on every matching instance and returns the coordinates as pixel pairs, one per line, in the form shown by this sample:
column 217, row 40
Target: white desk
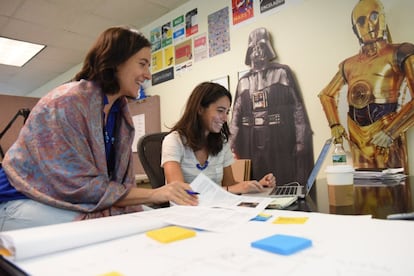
column 342, row 245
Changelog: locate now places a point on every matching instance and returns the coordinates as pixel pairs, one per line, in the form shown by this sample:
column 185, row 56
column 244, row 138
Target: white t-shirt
column 173, row 149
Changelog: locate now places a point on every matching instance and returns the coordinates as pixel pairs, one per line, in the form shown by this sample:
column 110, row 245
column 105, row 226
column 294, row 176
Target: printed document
column 213, row 195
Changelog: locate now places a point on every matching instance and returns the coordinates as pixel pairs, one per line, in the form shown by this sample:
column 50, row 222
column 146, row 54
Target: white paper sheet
column 218, row 211
column 374, row 247
column 215, row 196
column 37, row 241
column 216, row 219
column 139, row 124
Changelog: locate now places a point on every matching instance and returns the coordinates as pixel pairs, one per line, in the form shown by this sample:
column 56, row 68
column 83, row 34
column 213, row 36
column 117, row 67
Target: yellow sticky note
column 290, row 220
column 264, row 215
column 170, row 234
column 112, row 273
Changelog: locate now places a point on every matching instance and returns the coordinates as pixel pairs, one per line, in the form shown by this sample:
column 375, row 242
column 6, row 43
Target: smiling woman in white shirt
column 199, row 143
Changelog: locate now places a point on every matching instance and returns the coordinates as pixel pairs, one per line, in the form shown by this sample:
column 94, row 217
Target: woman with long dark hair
column 73, row 158
column 199, row 142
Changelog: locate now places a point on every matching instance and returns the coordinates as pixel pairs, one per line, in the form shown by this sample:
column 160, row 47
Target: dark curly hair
column 112, row 48
column 190, row 125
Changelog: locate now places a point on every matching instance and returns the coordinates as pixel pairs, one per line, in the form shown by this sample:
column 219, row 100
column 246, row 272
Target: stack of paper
column 396, row 174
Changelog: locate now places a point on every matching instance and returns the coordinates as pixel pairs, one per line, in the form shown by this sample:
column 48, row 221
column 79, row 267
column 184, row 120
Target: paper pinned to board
column 139, row 124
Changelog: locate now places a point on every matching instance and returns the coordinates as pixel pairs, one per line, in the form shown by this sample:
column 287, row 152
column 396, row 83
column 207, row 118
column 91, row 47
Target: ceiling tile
column 68, row 28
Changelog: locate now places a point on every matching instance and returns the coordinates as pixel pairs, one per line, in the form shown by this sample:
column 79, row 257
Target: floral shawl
column 59, row 157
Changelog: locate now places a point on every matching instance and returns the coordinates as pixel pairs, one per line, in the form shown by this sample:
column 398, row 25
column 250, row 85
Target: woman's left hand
column 269, row 180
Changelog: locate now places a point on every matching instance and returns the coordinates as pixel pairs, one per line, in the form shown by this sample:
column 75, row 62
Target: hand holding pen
column 179, row 193
column 190, row 192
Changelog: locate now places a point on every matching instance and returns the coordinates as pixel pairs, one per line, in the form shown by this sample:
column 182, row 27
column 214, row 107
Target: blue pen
column 191, row 192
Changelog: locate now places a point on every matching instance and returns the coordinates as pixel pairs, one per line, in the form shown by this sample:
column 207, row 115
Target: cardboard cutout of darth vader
column 269, row 124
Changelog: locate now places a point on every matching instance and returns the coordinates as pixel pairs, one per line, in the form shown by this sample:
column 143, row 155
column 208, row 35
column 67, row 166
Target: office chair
column 149, row 152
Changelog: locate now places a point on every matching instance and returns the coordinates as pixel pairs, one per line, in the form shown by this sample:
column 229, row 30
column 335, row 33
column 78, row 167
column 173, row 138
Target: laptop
column 295, row 189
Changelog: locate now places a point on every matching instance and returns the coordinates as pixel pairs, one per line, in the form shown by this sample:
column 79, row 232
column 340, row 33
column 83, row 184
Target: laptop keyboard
column 284, row 190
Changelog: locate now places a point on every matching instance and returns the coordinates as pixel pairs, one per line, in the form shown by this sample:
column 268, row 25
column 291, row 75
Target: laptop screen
column 318, row 165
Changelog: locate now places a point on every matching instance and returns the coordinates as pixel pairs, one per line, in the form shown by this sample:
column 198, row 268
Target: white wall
column 311, row 36
column 65, row 77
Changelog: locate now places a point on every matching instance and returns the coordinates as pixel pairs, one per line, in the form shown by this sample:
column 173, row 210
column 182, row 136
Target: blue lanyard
column 109, row 133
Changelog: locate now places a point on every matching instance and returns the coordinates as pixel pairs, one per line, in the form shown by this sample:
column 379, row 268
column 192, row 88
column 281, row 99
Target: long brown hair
column 112, row 48
column 190, row 125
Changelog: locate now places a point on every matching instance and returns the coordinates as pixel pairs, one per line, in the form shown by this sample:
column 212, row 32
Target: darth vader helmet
column 259, row 48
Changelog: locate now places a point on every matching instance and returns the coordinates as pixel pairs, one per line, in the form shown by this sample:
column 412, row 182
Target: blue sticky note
column 282, row 244
column 261, row 217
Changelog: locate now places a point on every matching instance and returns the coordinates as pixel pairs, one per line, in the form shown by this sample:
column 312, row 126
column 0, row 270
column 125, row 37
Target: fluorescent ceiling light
column 17, row 53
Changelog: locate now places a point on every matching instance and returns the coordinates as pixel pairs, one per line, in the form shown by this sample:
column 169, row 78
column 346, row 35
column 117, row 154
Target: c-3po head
column 368, row 21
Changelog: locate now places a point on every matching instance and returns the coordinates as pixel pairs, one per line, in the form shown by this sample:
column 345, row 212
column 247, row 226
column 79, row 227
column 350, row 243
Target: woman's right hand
column 177, row 193
column 246, row 187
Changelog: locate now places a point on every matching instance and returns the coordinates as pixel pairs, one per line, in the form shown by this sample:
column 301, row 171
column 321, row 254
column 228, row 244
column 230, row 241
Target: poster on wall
column 241, row 74
column 183, row 67
column 163, row 76
column 375, row 112
column 191, row 23
column 200, row 47
column 242, row 10
column 139, row 124
column 224, row 81
column 166, row 35
column 267, row 5
column 178, row 28
column 169, row 56
column 156, row 61
column 155, row 37
column 183, row 52
column 218, row 32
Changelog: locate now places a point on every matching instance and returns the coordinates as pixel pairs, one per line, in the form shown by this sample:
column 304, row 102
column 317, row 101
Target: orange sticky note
column 170, row 234
column 5, row 252
column 290, row 220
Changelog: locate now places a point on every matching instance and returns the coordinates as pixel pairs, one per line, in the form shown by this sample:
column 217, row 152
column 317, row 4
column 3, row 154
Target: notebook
column 296, row 189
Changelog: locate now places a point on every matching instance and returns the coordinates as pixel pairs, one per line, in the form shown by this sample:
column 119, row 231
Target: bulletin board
column 147, row 109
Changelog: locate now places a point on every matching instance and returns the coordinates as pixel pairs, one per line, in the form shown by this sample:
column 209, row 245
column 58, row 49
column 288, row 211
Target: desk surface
column 368, row 247
column 372, row 247
column 374, row 197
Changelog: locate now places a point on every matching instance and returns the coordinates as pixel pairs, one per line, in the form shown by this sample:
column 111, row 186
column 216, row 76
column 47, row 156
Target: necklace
column 109, row 139
column 202, row 167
